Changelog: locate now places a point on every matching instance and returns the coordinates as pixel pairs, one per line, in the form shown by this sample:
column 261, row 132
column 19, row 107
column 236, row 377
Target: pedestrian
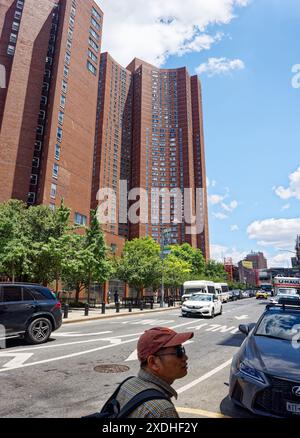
column 162, row 360
column 116, row 297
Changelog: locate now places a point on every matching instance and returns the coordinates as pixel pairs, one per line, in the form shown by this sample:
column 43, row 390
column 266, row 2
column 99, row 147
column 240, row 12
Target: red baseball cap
column 159, row 337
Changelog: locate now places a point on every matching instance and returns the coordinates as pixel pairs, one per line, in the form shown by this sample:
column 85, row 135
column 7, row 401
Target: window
column 80, row 219
column 10, row 50
column 64, row 86
column 31, row 198
column 96, row 14
column 15, row 26
column 12, row 293
column 61, row 117
column 93, row 44
column 38, row 145
column 69, row 45
column 20, row 4
column 62, row 101
column 66, row 71
column 43, row 100
column 94, row 34
column 42, row 114
column 91, row 68
column 33, row 180
column 95, row 24
column 72, row 22
column 92, row 56
column 40, row 129
column 35, row 162
column 55, row 170
column 13, row 38
column 59, row 134
column 18, row 15
column 53, row 191
column 57, row 152
column 67, row 58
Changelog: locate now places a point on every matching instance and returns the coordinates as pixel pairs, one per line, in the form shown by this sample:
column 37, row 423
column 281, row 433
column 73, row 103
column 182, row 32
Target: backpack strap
column 115, row 393
column 140, row 398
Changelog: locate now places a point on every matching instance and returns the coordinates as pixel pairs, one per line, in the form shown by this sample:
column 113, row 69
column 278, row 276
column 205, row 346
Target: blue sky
column 251, row 111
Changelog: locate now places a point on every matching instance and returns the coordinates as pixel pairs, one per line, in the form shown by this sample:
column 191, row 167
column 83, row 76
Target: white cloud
column 216, row 66
column 154, row 30
column 213, row 183
column 280, row 261
column 215, row 199
column 220, row 216
column 293, row 190
column 279, row 233
column 285, row 207
column 234, row 228
column 229, row 207
column 219, row 252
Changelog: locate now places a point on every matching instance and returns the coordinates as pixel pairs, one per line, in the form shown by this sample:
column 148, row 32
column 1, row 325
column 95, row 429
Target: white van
column 222, row 291
column 197, row 286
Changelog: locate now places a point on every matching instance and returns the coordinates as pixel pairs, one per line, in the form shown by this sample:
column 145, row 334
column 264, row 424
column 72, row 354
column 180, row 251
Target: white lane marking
column 133, row 356
column 235, row 331
column 223, row 329
column 53, row 359
column 17, row 361
column 242, row 317
column 212, row 327
column 204, row 377
column 78, row 334
column 198, row 327
column 112, row 340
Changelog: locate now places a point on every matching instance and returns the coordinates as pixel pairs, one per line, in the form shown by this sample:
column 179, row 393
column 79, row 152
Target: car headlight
column 251, row 372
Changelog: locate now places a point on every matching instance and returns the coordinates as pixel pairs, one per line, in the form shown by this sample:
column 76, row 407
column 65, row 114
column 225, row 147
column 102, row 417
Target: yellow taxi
column 261, row 294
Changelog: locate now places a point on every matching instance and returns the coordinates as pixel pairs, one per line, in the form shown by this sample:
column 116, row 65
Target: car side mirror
column 244, row 328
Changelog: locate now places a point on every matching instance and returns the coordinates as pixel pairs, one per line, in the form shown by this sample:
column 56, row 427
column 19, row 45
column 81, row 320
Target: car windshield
column 201, row 298
column 287, row 292
column 281, row 325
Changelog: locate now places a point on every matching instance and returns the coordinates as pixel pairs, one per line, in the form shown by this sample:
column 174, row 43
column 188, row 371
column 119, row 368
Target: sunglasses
column 180, row 352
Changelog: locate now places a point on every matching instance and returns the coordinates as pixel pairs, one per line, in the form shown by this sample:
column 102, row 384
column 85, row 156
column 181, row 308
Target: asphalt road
column 58, row 379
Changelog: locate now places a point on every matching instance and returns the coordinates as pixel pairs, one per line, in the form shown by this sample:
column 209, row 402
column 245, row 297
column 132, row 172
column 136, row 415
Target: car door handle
column 30, row 306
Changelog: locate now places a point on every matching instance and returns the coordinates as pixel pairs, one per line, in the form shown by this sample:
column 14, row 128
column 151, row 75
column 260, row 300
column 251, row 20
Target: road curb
column 94, row 318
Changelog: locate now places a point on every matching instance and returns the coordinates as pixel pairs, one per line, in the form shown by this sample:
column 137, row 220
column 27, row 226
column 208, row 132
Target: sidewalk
column 77, row 315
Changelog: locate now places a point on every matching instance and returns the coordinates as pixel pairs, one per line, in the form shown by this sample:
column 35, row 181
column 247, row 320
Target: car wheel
column 212, row 315
column 38, row 331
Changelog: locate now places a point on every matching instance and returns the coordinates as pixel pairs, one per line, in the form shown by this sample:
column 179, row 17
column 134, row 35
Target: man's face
column 171, row 363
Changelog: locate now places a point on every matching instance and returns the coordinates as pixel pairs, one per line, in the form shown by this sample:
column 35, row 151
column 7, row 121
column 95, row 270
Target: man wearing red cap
column 163, row 360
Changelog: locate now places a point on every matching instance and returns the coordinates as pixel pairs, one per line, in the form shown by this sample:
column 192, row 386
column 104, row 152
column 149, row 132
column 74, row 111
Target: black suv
column 29, row 310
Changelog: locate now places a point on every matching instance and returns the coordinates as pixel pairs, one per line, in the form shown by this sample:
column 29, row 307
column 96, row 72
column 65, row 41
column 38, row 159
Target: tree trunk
column 141, row 295
column 77, row 292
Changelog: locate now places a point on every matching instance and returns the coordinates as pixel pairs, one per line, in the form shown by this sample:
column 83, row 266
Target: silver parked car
column 265, row 373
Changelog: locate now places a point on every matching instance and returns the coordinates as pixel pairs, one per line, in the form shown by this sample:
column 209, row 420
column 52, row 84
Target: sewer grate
column 111, row 368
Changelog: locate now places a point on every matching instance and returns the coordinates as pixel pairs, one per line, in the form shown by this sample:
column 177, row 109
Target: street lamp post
column 162, row 254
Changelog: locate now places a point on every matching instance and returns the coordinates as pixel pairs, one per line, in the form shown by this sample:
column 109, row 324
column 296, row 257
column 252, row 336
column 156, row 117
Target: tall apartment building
column 163, row 146
column 51, row 53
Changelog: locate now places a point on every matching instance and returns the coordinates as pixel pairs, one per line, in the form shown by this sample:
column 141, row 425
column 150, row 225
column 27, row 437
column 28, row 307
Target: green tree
column 193, row 256
column 175, row 271
column 14, row 246
column 99, row 267
column 140, row 264
column 215, row 271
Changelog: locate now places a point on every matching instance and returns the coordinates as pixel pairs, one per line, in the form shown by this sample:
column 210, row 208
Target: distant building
column 249, row 268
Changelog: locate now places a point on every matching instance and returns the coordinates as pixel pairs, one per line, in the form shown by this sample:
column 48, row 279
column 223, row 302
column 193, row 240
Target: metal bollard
column 130, row 307
column 142, row 305
column 66, row 311
column 151, row 304
column 86, row 309
column 117, row 307
column 103, row 308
